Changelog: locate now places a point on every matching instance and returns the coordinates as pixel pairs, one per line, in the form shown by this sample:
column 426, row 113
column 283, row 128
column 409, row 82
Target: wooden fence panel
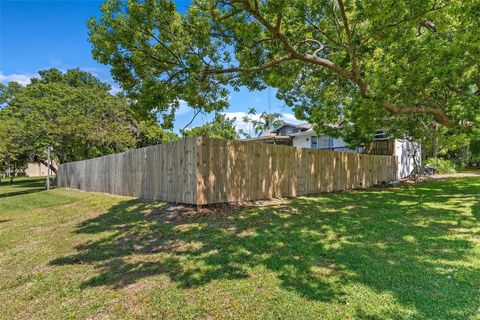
column 241, row 171
column 163, row 172
column 203, row 171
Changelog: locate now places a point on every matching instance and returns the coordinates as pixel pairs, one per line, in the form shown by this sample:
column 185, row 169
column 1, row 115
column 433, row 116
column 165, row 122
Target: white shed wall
column 404, row 152
column 302, row 141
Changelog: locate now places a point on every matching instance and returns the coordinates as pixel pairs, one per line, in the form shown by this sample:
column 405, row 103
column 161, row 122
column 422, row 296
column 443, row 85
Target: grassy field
column 403, row 253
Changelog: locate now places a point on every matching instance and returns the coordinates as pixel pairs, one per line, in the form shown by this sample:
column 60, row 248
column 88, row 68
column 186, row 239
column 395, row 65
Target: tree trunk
column 86, row 151
column 435, row 142
column 46, row 165
column 13, row 174
column 464, row 156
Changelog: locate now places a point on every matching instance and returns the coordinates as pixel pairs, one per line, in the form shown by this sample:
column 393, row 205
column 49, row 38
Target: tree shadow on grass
column 19, row 193
column 476, row 211
column 27, row 186
column 410, row 242
column 24, row 182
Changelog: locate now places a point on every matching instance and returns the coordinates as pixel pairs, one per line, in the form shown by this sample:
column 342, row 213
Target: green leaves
column 220, row 128
column 266, row 122
column 154, row 55
column 75, row 114
column 370, row 64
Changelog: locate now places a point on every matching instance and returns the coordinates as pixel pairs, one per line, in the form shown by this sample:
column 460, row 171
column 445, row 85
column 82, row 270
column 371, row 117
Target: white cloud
column 114, row 90
column 184, row 108
column 290, row 118
column 23, row 79
column 239, row 123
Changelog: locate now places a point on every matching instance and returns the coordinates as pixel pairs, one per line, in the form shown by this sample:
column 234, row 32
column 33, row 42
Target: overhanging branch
column 438, row 114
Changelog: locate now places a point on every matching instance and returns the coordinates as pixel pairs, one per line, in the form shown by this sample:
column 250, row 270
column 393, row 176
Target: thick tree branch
column 406, row 19
column 279, row 22
column 438, row 114
column 313, row 59
column 306, row 57
column 314, row 41
column 320, row 45
column 292, row 52
column 348, row 32
column 430, row 26
column 46, row 165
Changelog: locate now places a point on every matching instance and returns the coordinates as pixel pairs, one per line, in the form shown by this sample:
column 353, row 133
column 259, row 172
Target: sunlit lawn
column 409, row 252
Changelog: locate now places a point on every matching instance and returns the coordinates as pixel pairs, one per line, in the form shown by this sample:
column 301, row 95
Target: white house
column 303, row 136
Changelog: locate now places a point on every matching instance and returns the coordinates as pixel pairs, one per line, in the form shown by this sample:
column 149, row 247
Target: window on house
column 325, row 142
column 314, row 143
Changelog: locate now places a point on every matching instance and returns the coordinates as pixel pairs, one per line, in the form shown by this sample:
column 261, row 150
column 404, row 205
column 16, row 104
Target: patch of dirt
column 176, row 211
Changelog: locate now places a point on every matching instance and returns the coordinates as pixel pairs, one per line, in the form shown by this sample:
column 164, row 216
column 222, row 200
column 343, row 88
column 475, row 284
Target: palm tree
column 249, row 122
column 266, row 122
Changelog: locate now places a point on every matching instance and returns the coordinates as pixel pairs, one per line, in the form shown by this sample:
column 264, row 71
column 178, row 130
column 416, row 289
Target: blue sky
column 36, row 35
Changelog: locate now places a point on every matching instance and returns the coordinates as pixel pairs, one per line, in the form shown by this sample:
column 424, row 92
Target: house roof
column 308, row 132
column 302, row 126
column 270, row 137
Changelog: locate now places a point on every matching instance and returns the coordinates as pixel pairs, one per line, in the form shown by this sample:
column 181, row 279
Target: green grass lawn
column 403, row 253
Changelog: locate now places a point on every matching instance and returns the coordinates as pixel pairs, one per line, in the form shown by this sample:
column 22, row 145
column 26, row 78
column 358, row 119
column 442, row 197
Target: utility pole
column 269, row 101
column 48, row 167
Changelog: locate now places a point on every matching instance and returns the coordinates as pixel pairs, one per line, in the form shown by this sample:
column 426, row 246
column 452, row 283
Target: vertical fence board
column 202, row 171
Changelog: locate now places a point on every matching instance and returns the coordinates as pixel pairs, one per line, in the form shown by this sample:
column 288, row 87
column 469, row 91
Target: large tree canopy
column 336, row 62
column 75, row 114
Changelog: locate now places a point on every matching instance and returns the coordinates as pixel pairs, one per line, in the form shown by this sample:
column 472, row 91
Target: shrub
column 442, row 165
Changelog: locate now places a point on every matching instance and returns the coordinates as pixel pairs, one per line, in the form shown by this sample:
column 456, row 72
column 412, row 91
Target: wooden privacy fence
column 203, row 171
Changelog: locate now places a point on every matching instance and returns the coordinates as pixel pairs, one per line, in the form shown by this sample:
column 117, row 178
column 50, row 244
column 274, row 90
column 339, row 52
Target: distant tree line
column 75, row 113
